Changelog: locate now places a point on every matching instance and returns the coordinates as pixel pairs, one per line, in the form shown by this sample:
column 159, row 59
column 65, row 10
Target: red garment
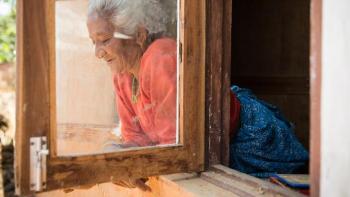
column 235, row 109
column 152, row 119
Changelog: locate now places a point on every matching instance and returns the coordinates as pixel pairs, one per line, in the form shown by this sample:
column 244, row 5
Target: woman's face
column 120, row 54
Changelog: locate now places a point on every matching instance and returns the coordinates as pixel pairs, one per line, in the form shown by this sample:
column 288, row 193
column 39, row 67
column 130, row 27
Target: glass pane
column 116, row 75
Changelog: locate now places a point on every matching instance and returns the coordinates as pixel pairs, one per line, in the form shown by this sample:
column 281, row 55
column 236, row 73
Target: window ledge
column 221, row 181
column 216, row 182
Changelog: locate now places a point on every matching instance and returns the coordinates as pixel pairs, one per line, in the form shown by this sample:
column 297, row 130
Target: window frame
column 35, row 106
column 214, row 154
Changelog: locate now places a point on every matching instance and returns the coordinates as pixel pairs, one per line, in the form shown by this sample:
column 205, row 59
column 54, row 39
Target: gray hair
column 127, row 15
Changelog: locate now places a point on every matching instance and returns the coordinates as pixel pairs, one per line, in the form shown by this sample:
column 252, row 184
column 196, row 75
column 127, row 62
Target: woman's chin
column 115, row 68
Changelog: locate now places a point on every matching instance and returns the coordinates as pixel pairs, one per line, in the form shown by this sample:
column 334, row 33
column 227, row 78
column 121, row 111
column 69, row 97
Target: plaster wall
column 335, row 108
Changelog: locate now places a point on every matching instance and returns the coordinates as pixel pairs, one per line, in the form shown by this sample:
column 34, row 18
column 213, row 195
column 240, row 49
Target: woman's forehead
column 98, row 25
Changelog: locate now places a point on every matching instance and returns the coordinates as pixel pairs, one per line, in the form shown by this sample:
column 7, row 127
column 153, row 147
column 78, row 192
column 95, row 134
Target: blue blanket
column 265, row 143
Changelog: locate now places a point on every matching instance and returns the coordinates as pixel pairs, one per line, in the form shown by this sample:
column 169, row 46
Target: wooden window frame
column 36, row 106
column 218, row 64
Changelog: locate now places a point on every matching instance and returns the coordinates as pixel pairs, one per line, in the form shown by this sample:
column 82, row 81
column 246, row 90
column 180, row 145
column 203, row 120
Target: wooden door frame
column 315, row 95
column 218, row 79
column 218, row 76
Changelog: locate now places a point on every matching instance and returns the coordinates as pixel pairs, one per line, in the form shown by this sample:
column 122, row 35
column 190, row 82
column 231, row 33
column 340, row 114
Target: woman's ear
column 141, row 37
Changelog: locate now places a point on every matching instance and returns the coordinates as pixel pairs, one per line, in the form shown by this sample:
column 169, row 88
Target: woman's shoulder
column 159, row 61
column 163, row 44
column 160, row 47
column 161, row 53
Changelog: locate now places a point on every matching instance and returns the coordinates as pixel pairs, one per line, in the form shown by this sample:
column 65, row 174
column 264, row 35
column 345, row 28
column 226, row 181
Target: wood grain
column 244, row 185
column 218, row 74
column 192, row 81
column 33, row 102
column 315, row 96
column 36, row 107
column 214, row 84
column 217, row 181
column 182, row 184
column 226, row 81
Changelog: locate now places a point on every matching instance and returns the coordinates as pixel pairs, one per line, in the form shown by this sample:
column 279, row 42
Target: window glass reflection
column 116, row 65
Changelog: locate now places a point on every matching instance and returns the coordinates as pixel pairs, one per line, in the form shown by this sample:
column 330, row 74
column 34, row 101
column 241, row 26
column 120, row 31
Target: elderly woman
column 127, row 34
column 129, row 37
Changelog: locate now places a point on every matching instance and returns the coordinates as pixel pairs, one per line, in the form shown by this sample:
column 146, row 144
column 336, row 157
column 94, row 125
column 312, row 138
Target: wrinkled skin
column 122, row 55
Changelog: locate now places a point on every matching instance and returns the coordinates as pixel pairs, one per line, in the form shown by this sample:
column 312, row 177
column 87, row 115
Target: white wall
column 335, row 104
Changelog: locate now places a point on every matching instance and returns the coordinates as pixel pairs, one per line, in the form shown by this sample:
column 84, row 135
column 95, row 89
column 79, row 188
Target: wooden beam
column 315, row 96
column 214, row 83
column 33, row 104
column 218, row 75
column 244, row 185
column 226, row 81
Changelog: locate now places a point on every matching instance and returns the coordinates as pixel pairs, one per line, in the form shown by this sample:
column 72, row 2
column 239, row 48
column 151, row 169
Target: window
column 37, row 108
column 205, row 28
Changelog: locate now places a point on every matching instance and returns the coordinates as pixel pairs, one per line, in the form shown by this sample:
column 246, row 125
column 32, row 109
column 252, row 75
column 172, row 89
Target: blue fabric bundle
column 265, row 143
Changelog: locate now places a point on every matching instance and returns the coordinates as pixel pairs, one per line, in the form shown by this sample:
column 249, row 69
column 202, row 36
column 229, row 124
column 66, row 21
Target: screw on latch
column 32, row 185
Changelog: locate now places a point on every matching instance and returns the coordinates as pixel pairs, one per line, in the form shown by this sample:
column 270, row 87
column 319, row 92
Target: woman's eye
column 106, row 40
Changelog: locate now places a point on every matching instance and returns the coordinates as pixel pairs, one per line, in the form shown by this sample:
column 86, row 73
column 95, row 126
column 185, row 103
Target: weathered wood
column 218, row 69
column 226, row 81
column 36, row 106
column 243, row 184
column 84, row 170
column 214, row 83
column 315, row 96
column 217, row 181
column 33, row 104
column 218, row 76
column 192, row 82
column 51, row 47
column 184, row 185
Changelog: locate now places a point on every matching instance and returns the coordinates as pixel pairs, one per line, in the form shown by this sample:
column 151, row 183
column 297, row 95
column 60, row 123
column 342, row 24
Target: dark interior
column 270, row 47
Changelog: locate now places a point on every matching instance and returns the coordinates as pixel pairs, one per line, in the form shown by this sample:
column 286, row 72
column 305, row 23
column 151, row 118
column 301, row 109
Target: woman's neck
column 134, row 70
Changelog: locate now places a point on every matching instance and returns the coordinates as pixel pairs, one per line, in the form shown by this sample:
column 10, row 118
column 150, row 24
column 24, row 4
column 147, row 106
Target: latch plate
column 38, row 154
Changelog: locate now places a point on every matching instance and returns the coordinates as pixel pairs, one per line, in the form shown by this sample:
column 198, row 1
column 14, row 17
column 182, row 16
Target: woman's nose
column 99, row 52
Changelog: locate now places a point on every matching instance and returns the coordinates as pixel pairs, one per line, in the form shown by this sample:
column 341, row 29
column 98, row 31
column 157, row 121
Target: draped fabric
column 264, row 143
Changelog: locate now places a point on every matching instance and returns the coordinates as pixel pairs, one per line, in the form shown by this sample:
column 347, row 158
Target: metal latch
column 38, row 154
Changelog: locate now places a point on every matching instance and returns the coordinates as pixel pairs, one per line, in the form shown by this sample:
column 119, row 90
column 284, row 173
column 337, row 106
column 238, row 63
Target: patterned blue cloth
column 265, row 142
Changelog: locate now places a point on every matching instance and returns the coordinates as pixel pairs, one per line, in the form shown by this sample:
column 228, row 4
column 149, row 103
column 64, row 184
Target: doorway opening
column 270, row 56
